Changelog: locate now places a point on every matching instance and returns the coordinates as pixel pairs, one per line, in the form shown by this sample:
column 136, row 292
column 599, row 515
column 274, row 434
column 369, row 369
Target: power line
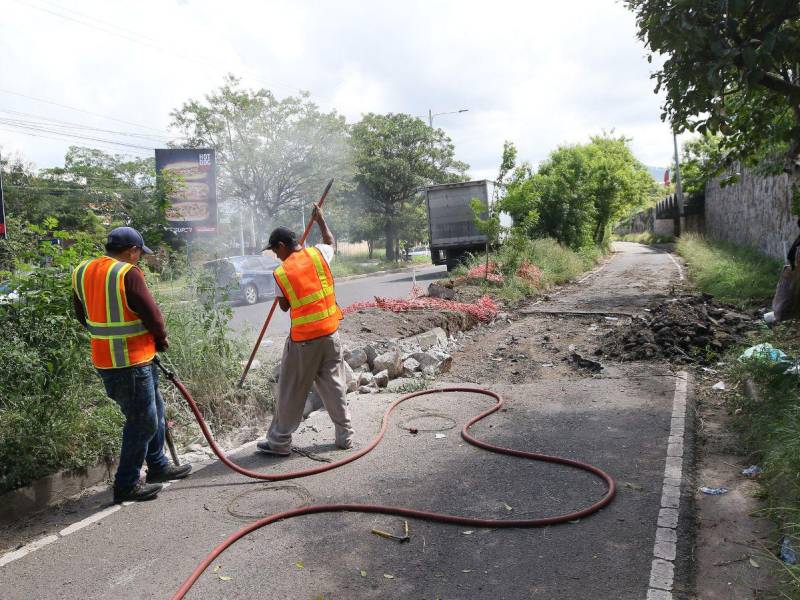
column 50, row 122
column 23, row 128
column 80, row 110
column 46, row 188
column 142, row 40
column 61, row 139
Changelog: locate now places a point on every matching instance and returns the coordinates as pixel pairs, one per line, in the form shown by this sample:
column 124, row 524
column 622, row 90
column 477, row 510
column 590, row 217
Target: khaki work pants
column 318, row 363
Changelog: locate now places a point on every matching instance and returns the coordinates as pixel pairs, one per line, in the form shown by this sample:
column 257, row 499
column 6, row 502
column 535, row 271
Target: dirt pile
column 687, row 329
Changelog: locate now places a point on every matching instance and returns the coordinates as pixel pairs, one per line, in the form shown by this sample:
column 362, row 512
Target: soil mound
column 687, row 329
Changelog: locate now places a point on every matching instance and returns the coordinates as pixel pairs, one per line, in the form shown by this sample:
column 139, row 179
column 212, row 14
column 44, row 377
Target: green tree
column 579, row 192
column 731, row 68
column 701, row 161
column 617, row 183
column 394, row 156
column 93, row 191
column 272, row 154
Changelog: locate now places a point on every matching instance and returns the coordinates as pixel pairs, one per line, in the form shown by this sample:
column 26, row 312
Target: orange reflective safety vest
column 118, row 337
column 307, row 283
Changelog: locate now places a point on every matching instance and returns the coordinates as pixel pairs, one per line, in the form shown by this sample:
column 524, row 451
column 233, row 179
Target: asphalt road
column 620, row 420
column 247, row 320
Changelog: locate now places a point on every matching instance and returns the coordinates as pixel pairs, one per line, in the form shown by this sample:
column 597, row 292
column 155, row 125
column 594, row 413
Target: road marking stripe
column 662, row 569
column 27, row 549
column 94, row 518
column 89, row 520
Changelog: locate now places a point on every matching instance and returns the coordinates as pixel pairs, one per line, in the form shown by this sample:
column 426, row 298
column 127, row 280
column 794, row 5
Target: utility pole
column 241, row 226
column 3, row 234
column 678, row 189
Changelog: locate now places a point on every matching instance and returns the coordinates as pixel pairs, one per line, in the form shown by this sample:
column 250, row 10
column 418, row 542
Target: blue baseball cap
column 126, row 237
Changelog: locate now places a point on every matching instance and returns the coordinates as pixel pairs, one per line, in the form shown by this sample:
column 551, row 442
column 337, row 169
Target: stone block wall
column 754, row 212
column 641, row 222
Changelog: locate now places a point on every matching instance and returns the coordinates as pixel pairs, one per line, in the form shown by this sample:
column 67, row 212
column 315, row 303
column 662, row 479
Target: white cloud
column 538, row 73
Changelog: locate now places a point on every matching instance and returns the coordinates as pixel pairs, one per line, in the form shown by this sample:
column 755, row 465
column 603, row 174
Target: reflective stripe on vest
column 323, row 321
column 119, row 338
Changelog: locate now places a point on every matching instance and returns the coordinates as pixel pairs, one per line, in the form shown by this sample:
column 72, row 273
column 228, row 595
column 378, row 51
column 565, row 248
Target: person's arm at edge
column 141, row 301
column 282, row 302
column 77, row 305
column 327, row 235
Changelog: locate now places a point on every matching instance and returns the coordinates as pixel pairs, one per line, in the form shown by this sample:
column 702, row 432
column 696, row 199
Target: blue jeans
column 135, row 389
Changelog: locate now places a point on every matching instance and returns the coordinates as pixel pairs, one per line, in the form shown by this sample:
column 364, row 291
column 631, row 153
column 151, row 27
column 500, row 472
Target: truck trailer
column 451, row 222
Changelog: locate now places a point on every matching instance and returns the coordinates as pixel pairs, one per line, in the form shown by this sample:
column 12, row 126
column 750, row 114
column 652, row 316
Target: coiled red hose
column 389, row 510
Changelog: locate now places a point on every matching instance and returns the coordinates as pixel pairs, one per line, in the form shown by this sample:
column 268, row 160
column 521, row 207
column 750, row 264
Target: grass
column 769, row 426
column 208, row 360
column 734, row 274
column 558, row 264
column 343, row 266
column 770, row 429
column 648, row 238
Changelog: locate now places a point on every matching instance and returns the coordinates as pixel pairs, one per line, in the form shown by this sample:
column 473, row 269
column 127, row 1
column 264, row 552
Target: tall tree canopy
column 579, row 192
column 394, row 156
column 93, row 191
column 272, row 154
column 731, row 68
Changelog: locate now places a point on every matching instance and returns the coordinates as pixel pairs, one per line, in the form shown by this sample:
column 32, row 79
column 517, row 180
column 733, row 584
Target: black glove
column 791, row 257
column 162, row 345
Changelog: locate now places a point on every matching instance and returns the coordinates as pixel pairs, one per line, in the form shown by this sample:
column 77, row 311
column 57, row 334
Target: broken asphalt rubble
column 681, row 329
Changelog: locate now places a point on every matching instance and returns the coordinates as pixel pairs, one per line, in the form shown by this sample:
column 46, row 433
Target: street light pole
column 431, row 114
column 678, row 189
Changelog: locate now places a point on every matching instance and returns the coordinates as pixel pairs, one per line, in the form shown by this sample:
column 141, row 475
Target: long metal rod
column 275, row 302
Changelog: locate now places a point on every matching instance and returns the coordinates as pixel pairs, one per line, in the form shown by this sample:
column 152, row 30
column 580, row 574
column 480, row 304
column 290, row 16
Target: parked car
column 246, row 279
column 419, row 251
column 8, row 295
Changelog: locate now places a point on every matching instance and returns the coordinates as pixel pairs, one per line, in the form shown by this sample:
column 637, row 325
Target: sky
column 538, row 73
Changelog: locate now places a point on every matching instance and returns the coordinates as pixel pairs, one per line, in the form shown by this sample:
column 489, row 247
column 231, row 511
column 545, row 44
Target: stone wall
column 754, row 212
column 641, row 222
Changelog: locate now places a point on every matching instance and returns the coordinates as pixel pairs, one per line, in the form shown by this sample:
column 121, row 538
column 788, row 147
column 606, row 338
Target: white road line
column 27, row 549
column 677, row 265
column 98, row 516
column 89, row 520
column 596, row 271
column 662, row 570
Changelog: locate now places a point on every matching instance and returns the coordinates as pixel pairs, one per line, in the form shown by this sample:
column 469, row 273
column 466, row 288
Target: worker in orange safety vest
column 126, row 328
column 312, row 355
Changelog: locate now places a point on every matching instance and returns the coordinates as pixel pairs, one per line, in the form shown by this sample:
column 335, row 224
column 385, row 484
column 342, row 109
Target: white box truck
column 451, row 222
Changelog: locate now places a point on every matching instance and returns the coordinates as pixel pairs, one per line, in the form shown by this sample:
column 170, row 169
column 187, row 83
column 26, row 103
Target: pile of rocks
column 689, row 328
column 396, row 363
column 392, row 366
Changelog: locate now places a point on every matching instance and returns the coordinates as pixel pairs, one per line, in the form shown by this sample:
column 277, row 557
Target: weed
column 648, row 238
column 734, row 274
column 770, row 429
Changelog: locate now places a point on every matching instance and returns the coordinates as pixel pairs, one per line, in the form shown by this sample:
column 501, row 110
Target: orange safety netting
column 484, row 309
column 489, row 272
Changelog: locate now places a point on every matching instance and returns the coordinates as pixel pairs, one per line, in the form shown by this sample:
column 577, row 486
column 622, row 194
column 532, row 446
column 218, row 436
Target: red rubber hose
column 389, row 510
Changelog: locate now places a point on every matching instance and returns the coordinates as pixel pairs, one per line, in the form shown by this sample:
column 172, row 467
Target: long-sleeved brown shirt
column 140, row 301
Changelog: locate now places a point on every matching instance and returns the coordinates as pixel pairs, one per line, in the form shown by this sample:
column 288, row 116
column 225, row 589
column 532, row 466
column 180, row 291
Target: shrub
column 208, row 360
column 531, row 265
column 734, row 274
column 54, row 412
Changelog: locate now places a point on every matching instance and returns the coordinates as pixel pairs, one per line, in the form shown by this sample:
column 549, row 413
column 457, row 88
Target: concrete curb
column 51, row 490
column 386, row 272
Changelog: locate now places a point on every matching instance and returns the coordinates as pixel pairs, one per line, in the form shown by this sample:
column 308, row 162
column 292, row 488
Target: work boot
column 263, row 446
column 140, row 491
column 169, row 473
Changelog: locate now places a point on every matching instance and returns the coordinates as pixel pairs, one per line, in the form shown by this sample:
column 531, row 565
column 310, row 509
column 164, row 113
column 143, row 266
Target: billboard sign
column 193, row 200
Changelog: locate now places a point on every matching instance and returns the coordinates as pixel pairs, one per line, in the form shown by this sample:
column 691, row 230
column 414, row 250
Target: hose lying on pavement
column 388, row 510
